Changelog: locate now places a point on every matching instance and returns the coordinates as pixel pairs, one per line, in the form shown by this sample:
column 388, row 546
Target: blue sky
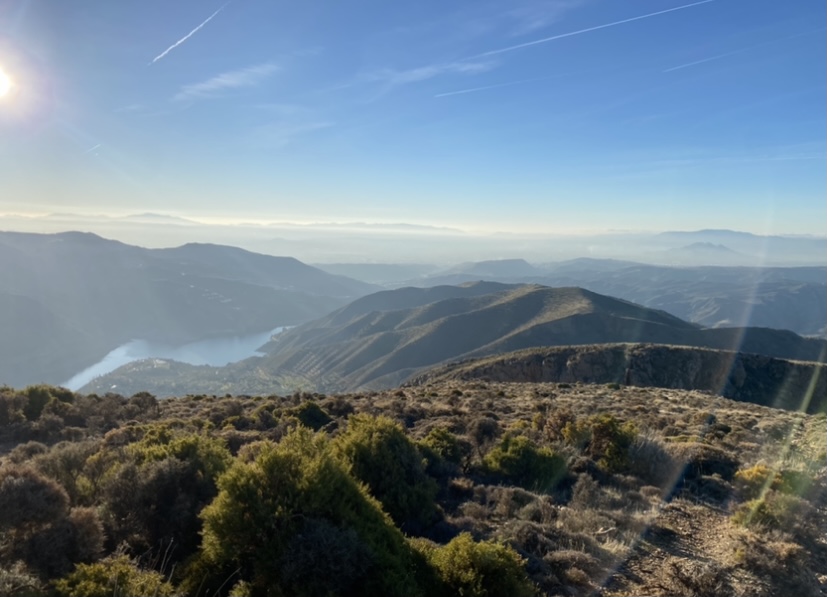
column 519, row 115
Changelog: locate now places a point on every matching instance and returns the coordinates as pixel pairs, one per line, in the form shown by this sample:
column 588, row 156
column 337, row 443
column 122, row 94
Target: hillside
column 525, row 489
column 95, row 294
column 790, row 385
column 383, row 339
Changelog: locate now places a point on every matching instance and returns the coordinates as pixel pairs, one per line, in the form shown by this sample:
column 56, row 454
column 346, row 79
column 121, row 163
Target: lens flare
column 5, row 84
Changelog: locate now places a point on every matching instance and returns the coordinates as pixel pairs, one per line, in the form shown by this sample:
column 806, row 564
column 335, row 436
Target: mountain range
column 791, row 298
column 68, row 299
column 383, row 339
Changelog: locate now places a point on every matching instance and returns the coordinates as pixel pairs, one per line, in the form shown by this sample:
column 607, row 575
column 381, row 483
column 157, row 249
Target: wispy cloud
column 190, row 34
column 393, row 77
column 531, row 16
column 588, row 29
column 245, row 77
column 281, row 133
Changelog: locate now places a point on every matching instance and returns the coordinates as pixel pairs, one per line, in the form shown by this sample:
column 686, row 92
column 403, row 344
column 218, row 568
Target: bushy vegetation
column 483, row 490
column 382, row 456
column 518, row 461
column 478, row 569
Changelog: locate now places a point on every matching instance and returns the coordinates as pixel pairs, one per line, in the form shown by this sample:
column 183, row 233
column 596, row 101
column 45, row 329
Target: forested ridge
column 474, row 489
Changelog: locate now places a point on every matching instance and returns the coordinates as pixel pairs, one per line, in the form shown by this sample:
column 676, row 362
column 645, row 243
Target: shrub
column 55, row 549
column 485, row 569
column 23, row 452
column 483, row 431
column 444, row 452
column 556, row 422
column 311, row 415
column 604, row 438
column 650, row 461
column 276, row 499
column 323, row 559
column 208, row 454
column 383, row 457
column 28, row 499
column 521, row 462
column 157, row 504
column 116, row 575
column 753, row 481
column 65, row 463
column 11, row 407
column 17, row 580
column 37, row 397
column 775, row 510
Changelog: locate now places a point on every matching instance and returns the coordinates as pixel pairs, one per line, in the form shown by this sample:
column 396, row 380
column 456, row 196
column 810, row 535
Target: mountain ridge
column 359, row 347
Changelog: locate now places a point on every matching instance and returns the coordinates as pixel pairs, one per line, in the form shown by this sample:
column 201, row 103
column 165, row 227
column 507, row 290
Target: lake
column 214, row 351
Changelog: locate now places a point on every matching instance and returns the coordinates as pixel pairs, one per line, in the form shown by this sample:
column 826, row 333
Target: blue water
column 215, row 351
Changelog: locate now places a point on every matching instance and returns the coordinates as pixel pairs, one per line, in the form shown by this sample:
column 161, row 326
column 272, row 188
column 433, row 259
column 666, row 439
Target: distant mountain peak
column 707, row 247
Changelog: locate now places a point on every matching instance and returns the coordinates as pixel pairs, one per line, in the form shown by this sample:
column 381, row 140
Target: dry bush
column 651, row 461
column 29, row 499
column 689, row 578
column 17, row 580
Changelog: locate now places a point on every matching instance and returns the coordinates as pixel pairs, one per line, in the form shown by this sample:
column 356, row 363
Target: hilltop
column 791, row 385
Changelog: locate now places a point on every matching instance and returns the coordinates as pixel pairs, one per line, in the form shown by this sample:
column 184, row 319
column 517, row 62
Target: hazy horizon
column 536, row 116
column 399, row 242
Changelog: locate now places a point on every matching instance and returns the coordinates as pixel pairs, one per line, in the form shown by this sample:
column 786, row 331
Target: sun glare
column 5, row 84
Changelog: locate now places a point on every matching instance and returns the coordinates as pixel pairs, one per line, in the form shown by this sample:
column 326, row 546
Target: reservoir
column 214, row 351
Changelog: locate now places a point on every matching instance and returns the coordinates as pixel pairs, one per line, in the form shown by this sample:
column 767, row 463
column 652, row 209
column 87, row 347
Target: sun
column 5, row 84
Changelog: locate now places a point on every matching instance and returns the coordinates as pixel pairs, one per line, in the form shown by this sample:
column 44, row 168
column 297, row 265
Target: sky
column 521, row 115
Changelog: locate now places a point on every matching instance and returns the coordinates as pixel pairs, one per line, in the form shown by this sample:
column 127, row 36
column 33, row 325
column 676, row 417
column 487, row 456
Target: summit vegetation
column 451, row 487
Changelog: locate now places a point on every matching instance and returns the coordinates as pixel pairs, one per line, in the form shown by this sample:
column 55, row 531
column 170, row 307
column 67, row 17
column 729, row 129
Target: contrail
column 91, row 149
column 710, row 59
column 487, row 87
column 595, row 28
column 742, row 50
column 191, row 33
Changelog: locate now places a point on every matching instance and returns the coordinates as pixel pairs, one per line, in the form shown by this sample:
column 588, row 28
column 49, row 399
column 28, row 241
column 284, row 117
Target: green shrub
column 384, row 458
column 444, row 452
column 311, row 415
column 485, row 569
column 37, row 397
column 116, row 575
column 279, row 505
column 521, row 462
column 753, row 481
column 775, row 510
column 208, row 453
column 604, row 438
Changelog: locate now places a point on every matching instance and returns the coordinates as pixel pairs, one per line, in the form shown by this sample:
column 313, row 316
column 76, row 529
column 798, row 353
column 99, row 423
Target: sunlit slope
column 791, row 298
column 382, row 348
